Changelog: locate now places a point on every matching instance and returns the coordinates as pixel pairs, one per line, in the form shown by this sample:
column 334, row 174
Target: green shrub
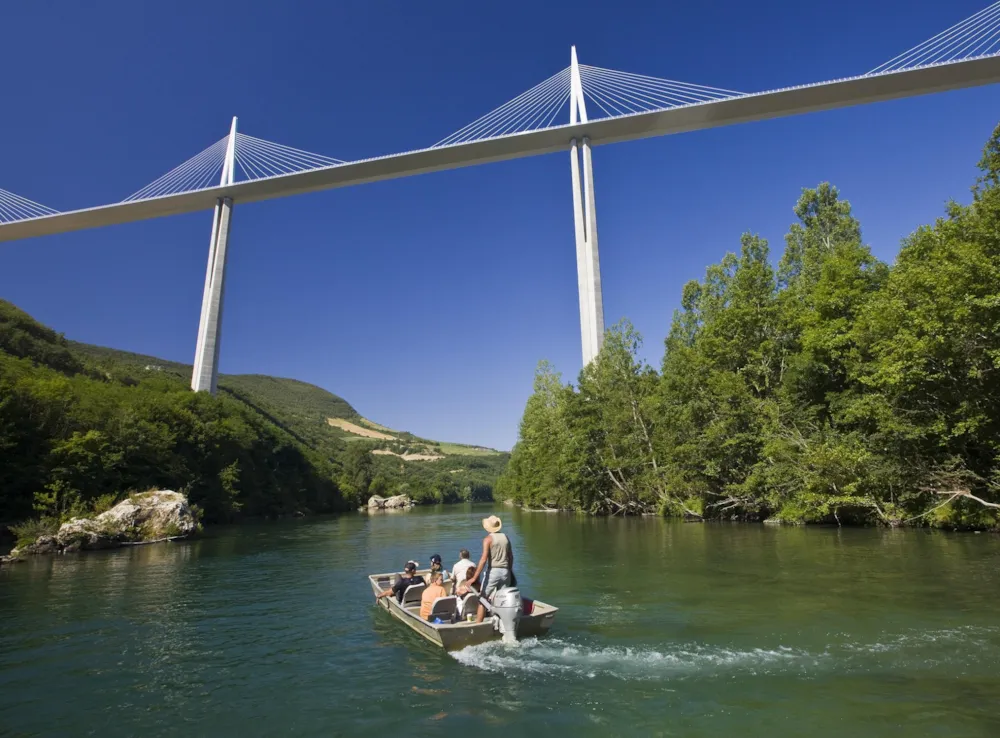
column 28, row 531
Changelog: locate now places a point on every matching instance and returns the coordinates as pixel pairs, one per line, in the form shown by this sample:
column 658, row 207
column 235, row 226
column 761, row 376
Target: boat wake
column 562, row 657
column 555, row 656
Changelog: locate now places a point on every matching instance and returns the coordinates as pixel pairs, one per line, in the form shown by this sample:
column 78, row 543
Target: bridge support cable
column 254, row 158
column 588, row 261
column 530, row 111
column 14, row 208
column 622, row 93
column 196, row 173
column 976, row 37
column 257, row 158
column 205, row 372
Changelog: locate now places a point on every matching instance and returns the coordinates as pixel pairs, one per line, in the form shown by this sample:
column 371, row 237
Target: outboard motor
column 507, row 607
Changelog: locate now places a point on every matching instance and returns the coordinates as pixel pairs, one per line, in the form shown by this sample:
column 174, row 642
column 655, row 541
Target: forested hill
column 830, row 387
column 81, row 425
column 300, row 408
column 293, row 396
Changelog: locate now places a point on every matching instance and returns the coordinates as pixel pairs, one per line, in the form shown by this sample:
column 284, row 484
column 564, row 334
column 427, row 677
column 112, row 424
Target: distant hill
column 400, row 462
column 304, row 409
column 79, row 429
column 298, row 407
column 103, row 391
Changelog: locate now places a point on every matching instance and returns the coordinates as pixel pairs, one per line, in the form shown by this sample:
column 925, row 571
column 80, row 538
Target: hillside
column 300, row 407
column 101, row 391
column 76, row 434
column 312, row 413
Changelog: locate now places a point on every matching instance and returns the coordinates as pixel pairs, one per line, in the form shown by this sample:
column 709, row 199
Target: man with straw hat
column 498, row 553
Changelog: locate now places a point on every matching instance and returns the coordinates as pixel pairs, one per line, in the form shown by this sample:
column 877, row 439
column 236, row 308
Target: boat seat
column 470, row 606
column 445, row 608
column 412, row 594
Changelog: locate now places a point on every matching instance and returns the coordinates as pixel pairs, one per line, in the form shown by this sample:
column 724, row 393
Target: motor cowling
column 507, row 607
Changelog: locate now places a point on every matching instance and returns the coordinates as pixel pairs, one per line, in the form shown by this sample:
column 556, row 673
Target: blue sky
column 427, row 302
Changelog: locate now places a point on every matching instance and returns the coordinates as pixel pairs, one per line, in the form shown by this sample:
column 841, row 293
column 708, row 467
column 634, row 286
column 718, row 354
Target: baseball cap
column 410, row 566
column 436, row 559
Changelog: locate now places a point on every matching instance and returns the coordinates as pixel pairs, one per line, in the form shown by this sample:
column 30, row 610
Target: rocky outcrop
column 398, row 502
column 142, row 518
column 13, row 558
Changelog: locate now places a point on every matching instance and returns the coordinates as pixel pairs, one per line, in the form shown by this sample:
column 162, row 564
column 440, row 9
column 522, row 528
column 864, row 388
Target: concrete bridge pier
column 588, row 262
column 205, row 374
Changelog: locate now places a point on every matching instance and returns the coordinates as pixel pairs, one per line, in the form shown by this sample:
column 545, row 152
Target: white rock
column 389, row 503
column 148, row 516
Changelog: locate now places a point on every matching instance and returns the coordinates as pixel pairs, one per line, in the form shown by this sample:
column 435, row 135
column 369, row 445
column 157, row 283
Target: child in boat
column 436, row 569
column 434, row 590
column 467, row 583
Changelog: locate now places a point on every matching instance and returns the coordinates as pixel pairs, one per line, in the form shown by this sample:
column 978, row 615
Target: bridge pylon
column 588, row 262
column 205, row 375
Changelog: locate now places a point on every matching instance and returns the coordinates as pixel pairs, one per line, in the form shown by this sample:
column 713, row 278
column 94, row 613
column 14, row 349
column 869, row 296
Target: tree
column 535, row 474
column 835, row 389
column 359, row 470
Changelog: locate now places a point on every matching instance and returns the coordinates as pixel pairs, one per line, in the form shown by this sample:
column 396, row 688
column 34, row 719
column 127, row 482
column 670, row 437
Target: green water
column 664, row 629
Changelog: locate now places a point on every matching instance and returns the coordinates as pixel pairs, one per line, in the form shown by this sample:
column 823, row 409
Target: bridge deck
column 759, row 106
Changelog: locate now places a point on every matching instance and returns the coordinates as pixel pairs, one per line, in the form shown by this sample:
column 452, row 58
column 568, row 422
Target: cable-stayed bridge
column 622, row 106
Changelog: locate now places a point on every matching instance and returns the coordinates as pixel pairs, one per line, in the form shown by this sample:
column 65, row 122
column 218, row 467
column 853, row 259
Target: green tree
column 359, row 469
column 833, row 389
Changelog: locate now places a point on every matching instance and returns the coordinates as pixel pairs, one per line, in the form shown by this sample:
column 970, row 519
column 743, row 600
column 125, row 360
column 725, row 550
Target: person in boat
column 434, row 590
column 467, row 583
column 498, row 553
column 464, row 562
column 436, row 569
column 407, row 578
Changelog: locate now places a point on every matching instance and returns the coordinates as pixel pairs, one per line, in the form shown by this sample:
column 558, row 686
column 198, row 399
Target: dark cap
column 436, row 559
column 410, row 566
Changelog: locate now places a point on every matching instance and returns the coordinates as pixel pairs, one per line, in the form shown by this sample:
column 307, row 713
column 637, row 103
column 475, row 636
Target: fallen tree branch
column 966, row 493
column 731, row 502
column 157, row 540
column 924, row 514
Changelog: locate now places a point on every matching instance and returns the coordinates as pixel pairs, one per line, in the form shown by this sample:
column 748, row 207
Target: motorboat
column 452, row 625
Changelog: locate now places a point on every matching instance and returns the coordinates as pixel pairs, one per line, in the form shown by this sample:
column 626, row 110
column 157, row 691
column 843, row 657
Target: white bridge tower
column 588, row 262
column 205, row 376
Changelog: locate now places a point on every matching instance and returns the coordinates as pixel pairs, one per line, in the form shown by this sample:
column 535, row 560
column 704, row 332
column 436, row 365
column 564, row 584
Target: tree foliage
column 833, row 388
column 73, row 435
column 81, row 425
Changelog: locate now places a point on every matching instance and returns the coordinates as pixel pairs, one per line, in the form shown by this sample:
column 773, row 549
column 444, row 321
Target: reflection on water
column 663, row 629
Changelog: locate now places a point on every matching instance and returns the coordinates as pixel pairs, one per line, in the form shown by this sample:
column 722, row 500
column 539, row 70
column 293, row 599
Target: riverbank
column 33, row 529
column 154, row 516
column 833, row 521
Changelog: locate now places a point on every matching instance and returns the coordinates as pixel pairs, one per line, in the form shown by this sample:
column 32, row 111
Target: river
column 664, row 628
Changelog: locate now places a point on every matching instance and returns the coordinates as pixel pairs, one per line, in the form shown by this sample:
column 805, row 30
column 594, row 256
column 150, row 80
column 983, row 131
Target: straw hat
column 492, row 524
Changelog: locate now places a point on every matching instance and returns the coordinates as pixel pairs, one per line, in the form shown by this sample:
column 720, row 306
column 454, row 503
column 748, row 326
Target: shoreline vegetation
column 83, row 428
column 154, row 516
column 832, row 388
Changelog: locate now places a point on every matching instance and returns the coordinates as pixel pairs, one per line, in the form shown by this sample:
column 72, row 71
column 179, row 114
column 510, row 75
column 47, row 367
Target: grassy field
column 375, row 426
column 458, row 449
column 357, row 430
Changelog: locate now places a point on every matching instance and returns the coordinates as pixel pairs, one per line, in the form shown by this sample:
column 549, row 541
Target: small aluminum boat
column 454, row 636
